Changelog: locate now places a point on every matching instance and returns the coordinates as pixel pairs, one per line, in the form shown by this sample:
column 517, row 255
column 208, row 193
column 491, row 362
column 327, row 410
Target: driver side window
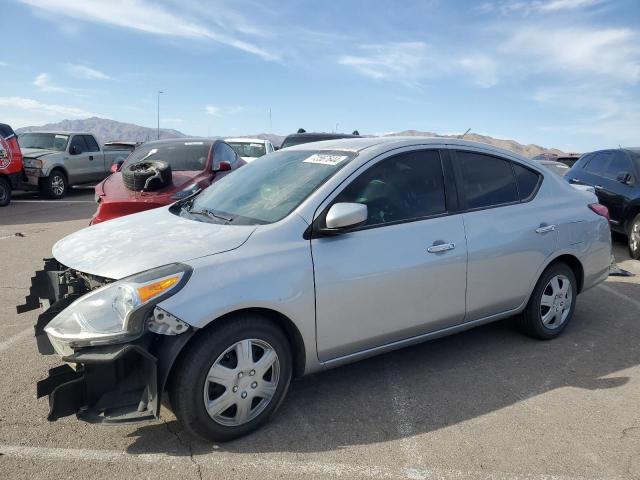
column 403, row 187
column 79, row 144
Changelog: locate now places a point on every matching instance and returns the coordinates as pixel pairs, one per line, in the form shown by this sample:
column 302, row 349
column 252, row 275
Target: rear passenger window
column 404, row 187
column 597, row 163
column 91, row 143
column 486, row 181
column 527, row 181
column 79, row 144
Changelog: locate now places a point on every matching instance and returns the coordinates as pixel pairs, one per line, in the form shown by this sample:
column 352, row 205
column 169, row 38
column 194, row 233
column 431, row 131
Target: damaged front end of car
column 118, row 345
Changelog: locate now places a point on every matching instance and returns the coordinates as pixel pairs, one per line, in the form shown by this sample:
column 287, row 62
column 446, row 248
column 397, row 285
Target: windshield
column 184, row 155
column 268, row 190
column 44, row 141
column 248, row 149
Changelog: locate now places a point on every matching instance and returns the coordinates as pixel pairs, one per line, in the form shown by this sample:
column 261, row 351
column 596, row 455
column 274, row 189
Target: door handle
column 598, row 187
column 543, row 228
column 574, row 180
column 90, row 157
column 441, row 247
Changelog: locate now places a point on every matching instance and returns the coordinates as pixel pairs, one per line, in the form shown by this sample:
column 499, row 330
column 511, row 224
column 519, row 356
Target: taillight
column 600, row 210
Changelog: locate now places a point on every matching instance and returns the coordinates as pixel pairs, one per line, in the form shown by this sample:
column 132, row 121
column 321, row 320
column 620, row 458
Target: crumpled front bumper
column 102, row 384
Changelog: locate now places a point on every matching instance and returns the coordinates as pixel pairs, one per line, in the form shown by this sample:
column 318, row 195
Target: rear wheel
column 232, row 379
column 634, row 238
column 55, row 185
column 5, row 192
column 552, row 303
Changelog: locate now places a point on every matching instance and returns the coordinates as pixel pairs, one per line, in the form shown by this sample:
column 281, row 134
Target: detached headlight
column 117, row 312
column 185, row 192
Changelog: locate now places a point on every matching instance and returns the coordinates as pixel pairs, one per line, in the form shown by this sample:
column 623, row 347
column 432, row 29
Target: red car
column 161, row 172
column 10, row 163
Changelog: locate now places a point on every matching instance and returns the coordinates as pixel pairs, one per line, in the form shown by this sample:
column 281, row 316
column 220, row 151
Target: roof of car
column 359, row 144
column 59, row 132
column 246, row 140
column 182, row 140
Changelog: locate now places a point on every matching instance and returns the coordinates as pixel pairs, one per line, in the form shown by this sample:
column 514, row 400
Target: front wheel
column 5, row 192
column 232, row 379
column 54, row 186
column 552, row 303
column 634, row 238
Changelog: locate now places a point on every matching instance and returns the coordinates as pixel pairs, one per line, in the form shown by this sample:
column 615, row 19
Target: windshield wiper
column 210, row 214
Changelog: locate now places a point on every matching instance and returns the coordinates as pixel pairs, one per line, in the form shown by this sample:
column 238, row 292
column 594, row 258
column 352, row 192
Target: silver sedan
column 313, row 257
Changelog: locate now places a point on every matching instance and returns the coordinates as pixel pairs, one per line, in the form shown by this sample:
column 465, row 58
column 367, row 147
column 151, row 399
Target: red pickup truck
column 11, row 171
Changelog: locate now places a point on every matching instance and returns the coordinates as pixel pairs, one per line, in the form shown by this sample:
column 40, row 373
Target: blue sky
column 563, row 73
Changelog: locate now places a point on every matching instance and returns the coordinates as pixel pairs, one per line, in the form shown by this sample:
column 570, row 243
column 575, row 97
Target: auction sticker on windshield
column 325, row 159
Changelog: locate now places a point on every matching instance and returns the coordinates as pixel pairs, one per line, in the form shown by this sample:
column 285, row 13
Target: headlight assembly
column 118, row 311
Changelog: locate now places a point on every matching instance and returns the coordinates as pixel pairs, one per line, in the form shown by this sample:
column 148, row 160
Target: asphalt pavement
column 486, row 403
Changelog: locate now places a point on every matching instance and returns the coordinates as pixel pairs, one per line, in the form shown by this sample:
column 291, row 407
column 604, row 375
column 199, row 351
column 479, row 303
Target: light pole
column 159, row 92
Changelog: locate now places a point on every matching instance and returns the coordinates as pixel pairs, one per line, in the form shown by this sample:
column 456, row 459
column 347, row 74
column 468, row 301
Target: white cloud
column 402, row 61
column 611, row 52
column 556, row 5
column 4, row 64
column 172, row 120
column 144, row 16
column 87, row 73
column 509, row 7
column 482, row 69
column 43, row 82
column 220, row 111
column 22, row 103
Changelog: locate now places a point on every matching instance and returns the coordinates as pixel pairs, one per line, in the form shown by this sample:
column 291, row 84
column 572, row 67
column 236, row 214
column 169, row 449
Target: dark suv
column 302, row 136
column 615, row 175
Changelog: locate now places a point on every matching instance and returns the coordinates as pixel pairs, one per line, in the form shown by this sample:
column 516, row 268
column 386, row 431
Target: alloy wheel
column 241, row 382
column 57, row 185
column 555, row 304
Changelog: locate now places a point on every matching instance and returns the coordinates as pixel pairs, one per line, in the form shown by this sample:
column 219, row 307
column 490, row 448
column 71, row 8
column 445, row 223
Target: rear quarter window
column 527, row 181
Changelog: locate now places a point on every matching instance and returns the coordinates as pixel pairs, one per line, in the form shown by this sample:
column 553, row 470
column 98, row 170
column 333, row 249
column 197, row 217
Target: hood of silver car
column 37, row 152
column 134, row 243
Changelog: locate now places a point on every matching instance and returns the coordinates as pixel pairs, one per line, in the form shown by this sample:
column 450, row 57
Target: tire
column 216, row 350
column 5, row 192
column 55, row 185
column 634, row 238
column 156, row 172
column 538, row 320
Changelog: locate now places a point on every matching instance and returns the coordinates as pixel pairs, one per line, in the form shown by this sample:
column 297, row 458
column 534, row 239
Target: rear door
column 400, row 275
column 510, row 230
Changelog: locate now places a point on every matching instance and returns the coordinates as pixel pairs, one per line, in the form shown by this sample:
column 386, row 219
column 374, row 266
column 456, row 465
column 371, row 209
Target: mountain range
column 111, row 130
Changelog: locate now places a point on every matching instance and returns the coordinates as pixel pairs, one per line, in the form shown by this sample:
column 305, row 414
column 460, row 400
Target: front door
column 79, row 166
column 400, row 275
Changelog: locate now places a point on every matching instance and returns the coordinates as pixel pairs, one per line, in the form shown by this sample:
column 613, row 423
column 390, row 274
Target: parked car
column 615, row 175
column 161, row 172
column 250, row 148
column 569, row 159
column 11, row 172
column 117, row 145
column 556, row 167
column 54, row 161
column 313, row 257
column 302, row 136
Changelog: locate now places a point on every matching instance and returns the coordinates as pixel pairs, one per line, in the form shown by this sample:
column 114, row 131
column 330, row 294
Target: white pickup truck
column 54, row 161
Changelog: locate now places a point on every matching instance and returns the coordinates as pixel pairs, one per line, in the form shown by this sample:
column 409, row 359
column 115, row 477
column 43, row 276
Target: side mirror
column 74, row 150
column 344, row 215
column 276, row 148
column 624, row 177
column 223, row 166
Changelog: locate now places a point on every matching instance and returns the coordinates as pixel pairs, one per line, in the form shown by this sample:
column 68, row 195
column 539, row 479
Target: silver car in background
column 314, row 256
